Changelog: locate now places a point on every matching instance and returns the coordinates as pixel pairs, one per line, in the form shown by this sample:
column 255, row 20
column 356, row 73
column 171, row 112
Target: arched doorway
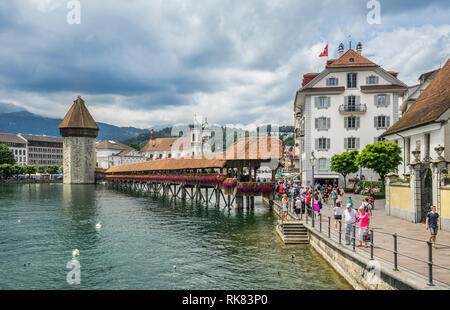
column 427, row 193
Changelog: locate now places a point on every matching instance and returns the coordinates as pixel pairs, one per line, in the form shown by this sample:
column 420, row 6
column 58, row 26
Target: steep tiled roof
column 42, row 138
column 430, row 105
column 11, row 138
column 112, row 145
column 170, row 164
column 166, row 144
column 78, row 117
column 255, row 148
column 345, row 61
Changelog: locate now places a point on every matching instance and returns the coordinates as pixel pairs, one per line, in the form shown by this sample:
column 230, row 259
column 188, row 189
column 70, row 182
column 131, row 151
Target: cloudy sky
column 145, row 63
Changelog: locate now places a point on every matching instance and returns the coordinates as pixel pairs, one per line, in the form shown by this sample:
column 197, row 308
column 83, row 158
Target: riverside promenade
column 412, row 248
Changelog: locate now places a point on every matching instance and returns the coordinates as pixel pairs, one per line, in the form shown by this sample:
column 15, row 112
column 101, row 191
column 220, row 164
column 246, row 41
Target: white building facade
column 345, row 107
column 18, row 145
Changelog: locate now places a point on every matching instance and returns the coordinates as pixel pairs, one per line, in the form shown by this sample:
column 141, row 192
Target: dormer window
column 371, row 80
column 332, row 81
column 352, row 59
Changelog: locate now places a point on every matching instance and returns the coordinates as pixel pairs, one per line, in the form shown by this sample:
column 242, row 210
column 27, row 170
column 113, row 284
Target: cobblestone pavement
column 384, row 226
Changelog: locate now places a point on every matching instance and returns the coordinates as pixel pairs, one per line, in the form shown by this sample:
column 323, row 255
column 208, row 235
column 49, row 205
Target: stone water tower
column 79, row 131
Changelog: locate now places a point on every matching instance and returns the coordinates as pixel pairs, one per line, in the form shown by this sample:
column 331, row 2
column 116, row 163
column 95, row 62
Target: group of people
column 312, row 199
column 309, row 199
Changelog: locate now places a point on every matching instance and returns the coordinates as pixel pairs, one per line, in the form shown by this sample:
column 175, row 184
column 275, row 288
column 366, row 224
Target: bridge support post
column 217, row 197
column 183, row 192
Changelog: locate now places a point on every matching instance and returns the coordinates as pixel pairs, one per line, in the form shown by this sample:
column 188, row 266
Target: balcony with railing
column 353, row 108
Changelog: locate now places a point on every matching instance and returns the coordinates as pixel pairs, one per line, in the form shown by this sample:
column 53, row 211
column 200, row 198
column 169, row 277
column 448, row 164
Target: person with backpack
column 334, row 195
column 432, row 223
column 364, row 219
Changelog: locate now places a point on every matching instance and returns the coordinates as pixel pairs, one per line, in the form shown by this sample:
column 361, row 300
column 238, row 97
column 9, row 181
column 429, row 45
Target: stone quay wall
column 359, row 270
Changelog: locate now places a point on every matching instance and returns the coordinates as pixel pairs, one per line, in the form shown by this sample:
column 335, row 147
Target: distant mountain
column 8, row 108
column 29, row 123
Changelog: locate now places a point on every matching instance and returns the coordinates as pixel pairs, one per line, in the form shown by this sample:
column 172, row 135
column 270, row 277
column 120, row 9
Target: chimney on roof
column 341, row 49
column 359, row 48
column 152, row 135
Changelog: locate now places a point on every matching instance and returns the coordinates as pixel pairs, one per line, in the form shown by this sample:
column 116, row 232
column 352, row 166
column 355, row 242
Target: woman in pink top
column 364, row 219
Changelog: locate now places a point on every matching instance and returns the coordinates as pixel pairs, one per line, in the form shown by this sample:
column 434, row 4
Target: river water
column 141, row 239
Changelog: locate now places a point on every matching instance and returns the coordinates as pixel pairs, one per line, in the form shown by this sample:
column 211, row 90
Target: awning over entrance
column 326, row 176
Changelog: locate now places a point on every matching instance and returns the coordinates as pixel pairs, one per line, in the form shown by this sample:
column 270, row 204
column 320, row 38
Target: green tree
column 60, row 170
column 6, row 170
column 30, row 169
column 6, row 155
column 381, row 157
column 41, row 169
column 17, row 170
column 52, row 169
column 344, row 164
column 136, row 146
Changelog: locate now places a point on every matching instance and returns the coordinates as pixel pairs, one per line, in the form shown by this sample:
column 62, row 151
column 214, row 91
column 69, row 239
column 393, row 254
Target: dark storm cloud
column 244, row 56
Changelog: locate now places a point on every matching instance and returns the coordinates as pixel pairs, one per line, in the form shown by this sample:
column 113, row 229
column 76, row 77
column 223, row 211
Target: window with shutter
column 316, row 123
column 375, row 121
column 328, row 123
column 345, row 143
column 346, row 122
column 357, row 122
column 357, row 143
column 328, row 143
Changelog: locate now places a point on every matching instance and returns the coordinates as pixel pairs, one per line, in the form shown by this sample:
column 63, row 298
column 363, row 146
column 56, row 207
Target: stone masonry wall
column 79, row 160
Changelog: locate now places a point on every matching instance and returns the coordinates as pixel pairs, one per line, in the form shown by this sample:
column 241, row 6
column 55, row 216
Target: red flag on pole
column 325, row 52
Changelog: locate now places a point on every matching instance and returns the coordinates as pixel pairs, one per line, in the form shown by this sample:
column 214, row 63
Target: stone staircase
column 293, row 232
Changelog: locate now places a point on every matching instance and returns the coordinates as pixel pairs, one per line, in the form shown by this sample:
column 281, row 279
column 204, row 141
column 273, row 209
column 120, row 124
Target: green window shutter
column 357, row 122
column 375, row 100
column 358, row 101
column 357, row 143
column 316, row 102
column 345, row 143
column 376, row 79
column 328, row 143
column 328, row 102
column 316, row 121
column 328, row 123
column 388, row 121
column 388, row 100
column 346, row 100
column 346, row 122
column 375, row 123
column 317, row 144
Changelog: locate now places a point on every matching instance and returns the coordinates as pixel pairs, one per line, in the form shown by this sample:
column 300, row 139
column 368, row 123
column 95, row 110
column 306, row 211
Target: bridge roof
column 170, row 164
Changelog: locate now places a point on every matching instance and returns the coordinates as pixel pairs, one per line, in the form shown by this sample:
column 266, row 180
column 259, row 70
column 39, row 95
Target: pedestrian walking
column 316, row 205
column 432, row 223
column 337, row 215
column 284, row 207
column 298, row 207
column 349, row 216
column 364, row 219
column 334, row 195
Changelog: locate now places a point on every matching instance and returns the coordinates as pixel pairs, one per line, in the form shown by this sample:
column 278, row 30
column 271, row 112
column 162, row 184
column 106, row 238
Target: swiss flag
column 325, row 52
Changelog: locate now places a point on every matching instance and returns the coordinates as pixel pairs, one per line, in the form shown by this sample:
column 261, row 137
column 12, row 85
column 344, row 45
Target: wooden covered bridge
column 209, row 179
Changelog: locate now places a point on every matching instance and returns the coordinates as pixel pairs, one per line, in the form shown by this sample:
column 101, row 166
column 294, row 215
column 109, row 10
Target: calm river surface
column 140, row 241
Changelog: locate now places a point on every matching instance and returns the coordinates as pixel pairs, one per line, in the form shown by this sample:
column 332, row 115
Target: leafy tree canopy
column 52, row 169
column 381, row 157
column 344, row 164
column 6, row 155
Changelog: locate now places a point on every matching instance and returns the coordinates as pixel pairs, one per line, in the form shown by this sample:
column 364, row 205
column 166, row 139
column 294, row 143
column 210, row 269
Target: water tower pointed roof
column 78, row 117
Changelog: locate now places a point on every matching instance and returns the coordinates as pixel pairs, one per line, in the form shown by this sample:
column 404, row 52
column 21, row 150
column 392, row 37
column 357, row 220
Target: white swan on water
column 75, row 253
column 98, row 225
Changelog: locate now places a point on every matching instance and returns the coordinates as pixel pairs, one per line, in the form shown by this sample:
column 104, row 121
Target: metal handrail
column 395, row 251
column 353, row 108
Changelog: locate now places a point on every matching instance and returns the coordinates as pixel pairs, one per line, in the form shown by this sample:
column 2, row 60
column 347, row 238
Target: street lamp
column 312, row 160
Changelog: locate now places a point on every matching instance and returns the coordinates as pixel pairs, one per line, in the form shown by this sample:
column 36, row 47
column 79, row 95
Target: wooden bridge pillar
column 217, row 197
column 183, row 192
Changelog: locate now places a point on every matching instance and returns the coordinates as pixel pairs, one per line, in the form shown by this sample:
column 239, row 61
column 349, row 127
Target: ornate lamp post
column 312, row 160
